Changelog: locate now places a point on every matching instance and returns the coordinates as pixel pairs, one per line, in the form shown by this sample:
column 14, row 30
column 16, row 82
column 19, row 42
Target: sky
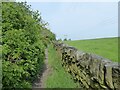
column 80, row 20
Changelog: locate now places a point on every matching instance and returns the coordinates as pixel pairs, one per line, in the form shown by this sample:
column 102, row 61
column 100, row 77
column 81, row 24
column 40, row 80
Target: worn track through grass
column 40, row 81
column 53, row 75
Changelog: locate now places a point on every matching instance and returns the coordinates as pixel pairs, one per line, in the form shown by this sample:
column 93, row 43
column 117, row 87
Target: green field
column 105, row 47
column 58, row 78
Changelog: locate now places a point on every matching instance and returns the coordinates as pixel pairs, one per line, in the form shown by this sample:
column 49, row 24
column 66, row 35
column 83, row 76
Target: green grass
column 59, row 78
column 105, row 47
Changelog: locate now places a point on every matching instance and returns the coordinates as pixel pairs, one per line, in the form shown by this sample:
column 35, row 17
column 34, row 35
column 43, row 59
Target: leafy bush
column 23, row 44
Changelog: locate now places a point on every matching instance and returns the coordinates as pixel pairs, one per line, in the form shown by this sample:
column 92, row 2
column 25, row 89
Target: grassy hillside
column 106, row 47
column 58, row 78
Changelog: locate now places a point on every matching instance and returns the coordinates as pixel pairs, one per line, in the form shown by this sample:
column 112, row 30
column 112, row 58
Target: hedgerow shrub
column 24, row 38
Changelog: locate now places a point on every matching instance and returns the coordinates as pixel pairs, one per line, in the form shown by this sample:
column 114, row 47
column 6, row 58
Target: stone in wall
column 92, row 71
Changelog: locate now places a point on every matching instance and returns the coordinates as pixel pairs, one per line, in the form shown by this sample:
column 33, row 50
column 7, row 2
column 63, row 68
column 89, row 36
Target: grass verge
column 59, row 78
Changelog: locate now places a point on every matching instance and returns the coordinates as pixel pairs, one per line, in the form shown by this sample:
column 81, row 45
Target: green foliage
column 59, row 78
column 65, row 39
column 23, row 44
column 106, row 47
column 69, row 40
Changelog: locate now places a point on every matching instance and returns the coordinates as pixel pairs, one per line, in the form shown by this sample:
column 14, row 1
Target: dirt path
column 39, row 83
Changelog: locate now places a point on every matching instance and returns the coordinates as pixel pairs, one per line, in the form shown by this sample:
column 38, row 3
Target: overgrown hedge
column 24, row 38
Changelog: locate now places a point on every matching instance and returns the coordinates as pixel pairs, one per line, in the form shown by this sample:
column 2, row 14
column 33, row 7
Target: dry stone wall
column 92, row 71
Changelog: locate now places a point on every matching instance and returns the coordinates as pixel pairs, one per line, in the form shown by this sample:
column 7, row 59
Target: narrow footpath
column 40, row 82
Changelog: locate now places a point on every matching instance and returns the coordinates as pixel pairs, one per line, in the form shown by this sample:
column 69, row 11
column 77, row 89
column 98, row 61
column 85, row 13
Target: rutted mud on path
column 40, row 82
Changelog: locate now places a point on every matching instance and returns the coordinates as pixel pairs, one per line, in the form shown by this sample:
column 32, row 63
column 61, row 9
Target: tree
column 60, row 39
column 65, row 39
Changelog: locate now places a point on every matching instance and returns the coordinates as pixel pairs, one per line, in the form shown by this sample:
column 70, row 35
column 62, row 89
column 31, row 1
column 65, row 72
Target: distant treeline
column 24, row 38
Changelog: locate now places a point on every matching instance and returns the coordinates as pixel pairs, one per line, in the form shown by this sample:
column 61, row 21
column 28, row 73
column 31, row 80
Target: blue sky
column 80, row 20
